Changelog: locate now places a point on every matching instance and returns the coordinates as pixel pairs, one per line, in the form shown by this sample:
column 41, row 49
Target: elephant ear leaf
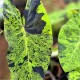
column 37, row 20
column 69, row 44
column 28, row 54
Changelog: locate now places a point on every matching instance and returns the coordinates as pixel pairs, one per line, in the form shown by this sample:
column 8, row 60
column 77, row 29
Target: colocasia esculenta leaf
column 30, row 38
column 69, row 43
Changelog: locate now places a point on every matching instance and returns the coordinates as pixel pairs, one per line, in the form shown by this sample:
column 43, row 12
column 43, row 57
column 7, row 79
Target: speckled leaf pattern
column 69, row 44
column 28, row 53
column 74, row 75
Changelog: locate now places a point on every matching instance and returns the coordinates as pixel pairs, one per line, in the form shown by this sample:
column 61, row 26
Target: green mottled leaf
column 74, row 75
column 28, row 53
column 69, row 44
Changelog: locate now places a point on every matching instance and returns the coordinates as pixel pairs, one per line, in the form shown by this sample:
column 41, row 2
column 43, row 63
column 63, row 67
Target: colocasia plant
column 29, row 35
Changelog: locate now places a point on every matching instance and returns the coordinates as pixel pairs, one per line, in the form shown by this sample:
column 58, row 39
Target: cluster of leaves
column 29, row 51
